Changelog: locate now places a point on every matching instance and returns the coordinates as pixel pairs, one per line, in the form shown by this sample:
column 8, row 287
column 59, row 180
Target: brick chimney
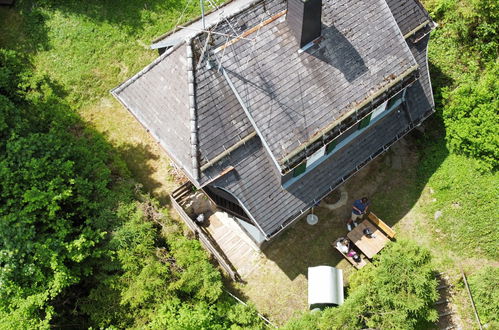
column 304, row 20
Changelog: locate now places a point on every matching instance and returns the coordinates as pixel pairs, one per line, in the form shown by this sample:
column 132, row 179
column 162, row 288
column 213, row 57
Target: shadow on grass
column 394, row 183
column 130, row 15
column 24, row 24
column 137, row 157
column 24, row 28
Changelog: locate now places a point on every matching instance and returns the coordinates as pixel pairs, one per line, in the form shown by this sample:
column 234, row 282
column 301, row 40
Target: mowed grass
column 90, row 47
column 464, row 205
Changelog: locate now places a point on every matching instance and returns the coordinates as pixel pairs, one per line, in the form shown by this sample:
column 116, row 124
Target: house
column 272, row 104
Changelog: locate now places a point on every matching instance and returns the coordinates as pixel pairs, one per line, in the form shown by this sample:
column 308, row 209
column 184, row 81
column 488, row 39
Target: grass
column 466, row 199
column 90, row 47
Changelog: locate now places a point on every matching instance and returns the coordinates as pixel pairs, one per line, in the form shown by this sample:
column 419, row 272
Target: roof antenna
column 202, row 13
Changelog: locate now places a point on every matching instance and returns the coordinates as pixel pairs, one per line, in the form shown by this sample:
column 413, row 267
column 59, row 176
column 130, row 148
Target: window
column 379, row 110
column 300, row 169
column 395, row 101
column 330, row 147
column 365, row 122
column 316, row 155
column 324, row 152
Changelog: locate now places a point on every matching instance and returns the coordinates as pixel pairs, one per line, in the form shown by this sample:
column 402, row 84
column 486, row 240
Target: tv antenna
column 201, row 2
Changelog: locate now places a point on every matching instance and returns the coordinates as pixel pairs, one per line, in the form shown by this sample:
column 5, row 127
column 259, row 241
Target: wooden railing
column 177, row 197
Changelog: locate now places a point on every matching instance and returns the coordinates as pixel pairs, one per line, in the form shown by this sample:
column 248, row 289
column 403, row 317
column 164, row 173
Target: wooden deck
column 236, row 253
column 242, row 253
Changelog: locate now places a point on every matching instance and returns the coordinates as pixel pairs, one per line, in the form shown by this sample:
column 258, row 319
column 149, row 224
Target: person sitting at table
column 343, row 245
column 359, row 208
column 354, row 255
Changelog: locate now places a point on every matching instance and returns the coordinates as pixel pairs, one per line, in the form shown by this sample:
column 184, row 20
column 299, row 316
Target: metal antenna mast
column 202, row 13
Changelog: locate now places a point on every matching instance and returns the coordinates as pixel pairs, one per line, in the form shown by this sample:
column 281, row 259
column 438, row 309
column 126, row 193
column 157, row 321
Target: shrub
column 485, row 292
column 397, row 292
column 472, row 119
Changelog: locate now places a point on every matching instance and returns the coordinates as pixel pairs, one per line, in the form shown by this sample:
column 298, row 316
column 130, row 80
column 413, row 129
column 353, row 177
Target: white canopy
column 325, row 285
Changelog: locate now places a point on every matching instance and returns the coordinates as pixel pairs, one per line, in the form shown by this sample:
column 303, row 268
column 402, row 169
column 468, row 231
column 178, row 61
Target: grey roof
column 193, row 111
column 293, row 97
column 256, row 182
column 158, row 96
column 192, row 28
column 408, row 14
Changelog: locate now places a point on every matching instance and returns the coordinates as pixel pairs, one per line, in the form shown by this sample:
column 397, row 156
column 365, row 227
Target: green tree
column 396, row 292
column 52, row 183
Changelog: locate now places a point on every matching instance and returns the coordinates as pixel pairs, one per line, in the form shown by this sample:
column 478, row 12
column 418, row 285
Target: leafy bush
column 485, row 291
column 463, row 56
column 52, row 184
column 76, row 246
column 165, row 288
column 477, row 26
column 471, row 118
column 397, row 292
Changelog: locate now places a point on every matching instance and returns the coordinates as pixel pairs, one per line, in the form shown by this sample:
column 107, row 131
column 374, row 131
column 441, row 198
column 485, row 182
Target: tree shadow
column 24, row 28
column 130, row 15
column 137, row 158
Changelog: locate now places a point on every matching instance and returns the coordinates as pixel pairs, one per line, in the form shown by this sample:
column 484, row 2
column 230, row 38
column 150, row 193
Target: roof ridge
column 232, row 8
column 192, row 111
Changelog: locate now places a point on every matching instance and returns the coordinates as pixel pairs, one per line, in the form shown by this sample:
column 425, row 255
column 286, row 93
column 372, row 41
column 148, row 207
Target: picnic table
column 354, row 263
column 368, row 245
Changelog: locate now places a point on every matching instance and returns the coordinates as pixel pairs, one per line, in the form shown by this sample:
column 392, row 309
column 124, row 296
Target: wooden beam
column 227, row 152
column 250, row 31
column 419, row 27
column 221, row 174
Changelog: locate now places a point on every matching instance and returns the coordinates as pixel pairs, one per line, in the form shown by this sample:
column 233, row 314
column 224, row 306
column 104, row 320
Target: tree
column 76, row 247
column 396, row 292
column 52, row 186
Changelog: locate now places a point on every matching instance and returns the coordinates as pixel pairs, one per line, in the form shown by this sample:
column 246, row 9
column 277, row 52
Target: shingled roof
column 294, row 97
column 161, row 97
column 229, row 111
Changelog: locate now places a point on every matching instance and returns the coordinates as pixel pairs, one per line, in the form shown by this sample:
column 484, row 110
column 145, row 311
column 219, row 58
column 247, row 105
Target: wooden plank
column 383, row 226
column 471, row 300
column 368, row 245
column 250, row 31
column 205, row 240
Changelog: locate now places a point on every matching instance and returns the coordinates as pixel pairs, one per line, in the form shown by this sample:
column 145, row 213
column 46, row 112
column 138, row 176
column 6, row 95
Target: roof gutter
column 291, row 220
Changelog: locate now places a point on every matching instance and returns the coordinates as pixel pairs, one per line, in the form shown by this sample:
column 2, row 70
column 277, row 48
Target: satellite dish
column 312, row 219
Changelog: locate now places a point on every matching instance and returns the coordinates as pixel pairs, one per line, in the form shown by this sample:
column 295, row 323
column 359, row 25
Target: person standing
column 359, row 208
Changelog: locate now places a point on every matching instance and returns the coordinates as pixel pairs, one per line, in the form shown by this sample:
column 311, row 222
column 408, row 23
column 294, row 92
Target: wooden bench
column 357, row 265
column 389, row 232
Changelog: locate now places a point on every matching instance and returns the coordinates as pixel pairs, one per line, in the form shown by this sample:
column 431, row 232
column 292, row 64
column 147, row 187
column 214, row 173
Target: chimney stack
column 304, row 20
